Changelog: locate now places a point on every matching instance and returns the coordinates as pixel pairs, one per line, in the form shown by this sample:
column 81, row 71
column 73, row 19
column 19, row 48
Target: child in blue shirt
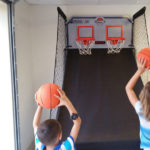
column 48, row 134
column 142, row 106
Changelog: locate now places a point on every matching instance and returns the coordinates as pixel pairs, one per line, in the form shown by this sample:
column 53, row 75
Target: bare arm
column 64, row 101
column 37, row 118
column 132, row 82
column 76, row 123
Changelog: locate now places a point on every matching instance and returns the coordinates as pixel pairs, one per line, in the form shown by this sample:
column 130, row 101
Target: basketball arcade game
column 86, row 33
column 91, row 86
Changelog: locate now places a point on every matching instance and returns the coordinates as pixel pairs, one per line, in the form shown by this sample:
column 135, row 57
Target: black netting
column 60, row 55
column 140, row 35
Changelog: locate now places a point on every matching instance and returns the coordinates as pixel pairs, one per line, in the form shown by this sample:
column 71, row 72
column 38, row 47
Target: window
column 6, row 110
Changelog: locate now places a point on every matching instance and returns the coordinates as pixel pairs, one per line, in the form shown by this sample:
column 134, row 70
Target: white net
column 85, row 49
column 115, row 47
column 140, row 40
column 140, row 34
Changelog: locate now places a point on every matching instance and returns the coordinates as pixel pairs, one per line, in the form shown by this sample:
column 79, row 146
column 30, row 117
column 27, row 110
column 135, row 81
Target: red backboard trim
column 114, row 38
column 85, row 38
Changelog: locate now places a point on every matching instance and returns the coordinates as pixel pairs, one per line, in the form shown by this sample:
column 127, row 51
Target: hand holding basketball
column 141, row 64
column 62, row 97
column 144, row 54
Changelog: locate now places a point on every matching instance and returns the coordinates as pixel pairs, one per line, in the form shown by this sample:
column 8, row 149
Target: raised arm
column 37, row 118
column 64, row 101
column 130, row 85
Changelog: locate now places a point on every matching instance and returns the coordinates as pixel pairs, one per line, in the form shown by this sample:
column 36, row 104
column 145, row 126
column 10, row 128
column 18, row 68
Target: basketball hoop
column 114, row 44
column 85, row 42
column 85, row 47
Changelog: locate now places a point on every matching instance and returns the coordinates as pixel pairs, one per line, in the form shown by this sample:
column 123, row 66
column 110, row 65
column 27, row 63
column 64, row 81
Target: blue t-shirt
column 66, row 145
column 144, row 127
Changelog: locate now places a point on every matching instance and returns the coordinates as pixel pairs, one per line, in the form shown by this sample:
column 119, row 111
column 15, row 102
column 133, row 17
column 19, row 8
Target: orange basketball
column 145, row 53
column 45, row 95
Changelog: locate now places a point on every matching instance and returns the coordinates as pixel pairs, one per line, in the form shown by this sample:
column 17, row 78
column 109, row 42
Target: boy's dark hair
column 48, row 131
